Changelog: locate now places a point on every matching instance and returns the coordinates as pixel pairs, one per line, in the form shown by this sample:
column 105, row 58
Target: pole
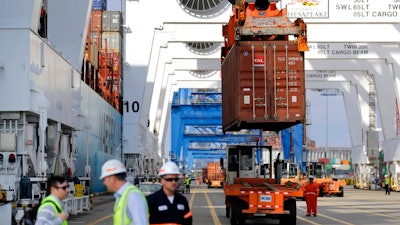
column 326, row 132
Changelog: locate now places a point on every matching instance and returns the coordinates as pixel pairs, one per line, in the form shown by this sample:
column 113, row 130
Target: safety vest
column 120, row 216
column 50, row 200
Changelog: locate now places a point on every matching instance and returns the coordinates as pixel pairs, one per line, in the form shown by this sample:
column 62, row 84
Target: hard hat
column 310, row 177
column 169, row 168
column 112, row 167
column 385, row 175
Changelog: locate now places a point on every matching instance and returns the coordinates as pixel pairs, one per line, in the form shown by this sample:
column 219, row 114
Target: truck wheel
column 341, row 194
column 289, row 219
column 237, row 217
column 241, row 216
column 321, row 192
column 234, row 213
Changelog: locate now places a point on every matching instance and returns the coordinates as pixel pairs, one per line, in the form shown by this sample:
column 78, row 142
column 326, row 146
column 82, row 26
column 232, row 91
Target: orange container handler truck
column 263, row 87
column 327, row 186
column 213, row 176
column 250, row 191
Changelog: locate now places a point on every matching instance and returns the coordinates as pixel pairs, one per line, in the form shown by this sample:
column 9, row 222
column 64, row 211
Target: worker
column 166, row 206
column 130, row 204
column 50, row 210
column 187, row 183
column 387, row 185
column 311, row 190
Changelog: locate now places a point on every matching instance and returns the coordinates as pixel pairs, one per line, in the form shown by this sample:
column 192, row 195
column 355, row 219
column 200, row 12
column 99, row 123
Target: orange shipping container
column 95, row 21
column 263, row 86
column 214, row 172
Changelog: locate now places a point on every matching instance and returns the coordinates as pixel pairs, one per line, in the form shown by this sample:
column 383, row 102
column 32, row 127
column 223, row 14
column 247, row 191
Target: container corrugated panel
column 113, row 41
column 95, row 38
column 111, row 21
column 96, row 21
column 99, row 5
column 214, row 171
column 263, row 86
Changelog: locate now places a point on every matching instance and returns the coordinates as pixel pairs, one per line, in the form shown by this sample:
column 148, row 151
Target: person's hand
column 63, row 216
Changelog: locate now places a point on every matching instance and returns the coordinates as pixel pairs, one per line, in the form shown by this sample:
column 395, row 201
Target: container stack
column 103, row 53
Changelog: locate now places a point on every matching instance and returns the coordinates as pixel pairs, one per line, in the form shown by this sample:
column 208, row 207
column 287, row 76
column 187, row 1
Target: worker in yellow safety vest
column 130, row 204
column 387, row 185
column 50, row 210
column 187, row 183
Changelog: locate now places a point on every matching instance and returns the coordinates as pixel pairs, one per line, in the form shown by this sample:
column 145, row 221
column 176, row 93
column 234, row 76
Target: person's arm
column 188, row 219
column 137, row 209
column 47, row 216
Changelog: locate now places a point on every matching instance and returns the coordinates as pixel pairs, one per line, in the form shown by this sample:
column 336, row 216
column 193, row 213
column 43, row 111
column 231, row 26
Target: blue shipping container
column 99, row 5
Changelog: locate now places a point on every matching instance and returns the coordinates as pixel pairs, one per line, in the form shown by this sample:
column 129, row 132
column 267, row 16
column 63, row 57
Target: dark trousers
column 387, row 189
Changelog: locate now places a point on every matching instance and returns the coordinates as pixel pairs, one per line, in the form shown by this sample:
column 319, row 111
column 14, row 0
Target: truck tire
column 289, row 219
column 321, row 192
column 237, row 217
column 341, row 194
column 234, row 213
column 241, row 216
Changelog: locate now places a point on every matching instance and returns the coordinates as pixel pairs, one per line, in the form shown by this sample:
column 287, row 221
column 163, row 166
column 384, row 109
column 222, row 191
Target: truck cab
column 253, row 188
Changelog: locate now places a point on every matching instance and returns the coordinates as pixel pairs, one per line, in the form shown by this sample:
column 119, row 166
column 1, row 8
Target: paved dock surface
column 357, row 207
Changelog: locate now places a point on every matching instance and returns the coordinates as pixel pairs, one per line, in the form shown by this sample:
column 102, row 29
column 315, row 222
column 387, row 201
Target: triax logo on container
column 259, row 61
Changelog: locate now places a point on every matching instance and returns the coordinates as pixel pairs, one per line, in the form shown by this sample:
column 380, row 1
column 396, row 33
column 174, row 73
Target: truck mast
column 244, row 24
column 263, row 87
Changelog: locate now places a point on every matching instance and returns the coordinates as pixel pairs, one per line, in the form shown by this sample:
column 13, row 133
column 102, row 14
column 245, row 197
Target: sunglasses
column 63, row 187
column 172, row 179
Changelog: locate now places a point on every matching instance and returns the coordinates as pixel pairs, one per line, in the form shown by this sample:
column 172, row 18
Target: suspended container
column 263, row 86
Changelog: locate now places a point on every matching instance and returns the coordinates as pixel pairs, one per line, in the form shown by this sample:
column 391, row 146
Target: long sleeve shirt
column 47, row 215
column 136, row 207
column 162, row 211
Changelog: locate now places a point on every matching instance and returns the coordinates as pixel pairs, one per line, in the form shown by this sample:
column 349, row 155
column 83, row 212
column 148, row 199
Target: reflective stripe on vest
column 50, row 200
column 120, row 216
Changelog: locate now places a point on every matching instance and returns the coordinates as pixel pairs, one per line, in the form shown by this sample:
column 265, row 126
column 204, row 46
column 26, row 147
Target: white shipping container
column 113, row 41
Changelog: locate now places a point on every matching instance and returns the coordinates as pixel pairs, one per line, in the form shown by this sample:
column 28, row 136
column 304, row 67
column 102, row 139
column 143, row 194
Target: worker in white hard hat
column 387, row 185
column 130, row 203
column 167, row 206
column 311, row 191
